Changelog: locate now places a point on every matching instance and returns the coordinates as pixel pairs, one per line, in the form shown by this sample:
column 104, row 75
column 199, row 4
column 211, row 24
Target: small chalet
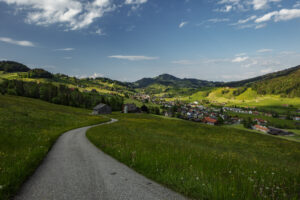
column 210, row 121
column 130, row 108
column 101, row 109
column 261, row 128
column 297, row 118
column 261, row 121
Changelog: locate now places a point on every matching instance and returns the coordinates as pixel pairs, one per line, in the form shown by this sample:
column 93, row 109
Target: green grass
column 295, row 137
column 203, row 162
column 28, row 128
column 279, row 123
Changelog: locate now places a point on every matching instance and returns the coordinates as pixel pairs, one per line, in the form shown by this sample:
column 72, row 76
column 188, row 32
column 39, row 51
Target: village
column 220, row 115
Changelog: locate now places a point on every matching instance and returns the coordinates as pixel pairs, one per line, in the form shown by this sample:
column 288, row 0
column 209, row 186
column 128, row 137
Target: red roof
column 261, row 127
column 211, row 120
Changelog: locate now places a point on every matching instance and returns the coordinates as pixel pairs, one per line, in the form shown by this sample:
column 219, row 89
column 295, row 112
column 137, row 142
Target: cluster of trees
column 150, row 109
column 286, row 86
column 39, row 73
column 248, row 122
column 239, row 91
column 59, row 94
column 10, row 66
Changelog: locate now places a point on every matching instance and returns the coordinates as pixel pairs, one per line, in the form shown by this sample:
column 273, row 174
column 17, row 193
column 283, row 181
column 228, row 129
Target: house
column 261, row 121
column 261, row 128
column 210, row 121
column 296, row 118
column 101, row 109
column 130, row 108
column 168, row 114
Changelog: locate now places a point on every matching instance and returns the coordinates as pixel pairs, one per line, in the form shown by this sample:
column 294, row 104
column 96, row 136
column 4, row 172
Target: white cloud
column 240, row 59
column 262, row 4
column 264, row 50
column 182, row 24
column 133, row 58
column 95, row 75
column 183, row 62
column 217, row 20
column 65, row 49
column 240, row 54
column 130, row 2
column 75, row 14
column 297, row 5
column 99, row 31
column 17, row 42
column 267, row 70
column 282, row 15
column 243, row 21
column 259, row 26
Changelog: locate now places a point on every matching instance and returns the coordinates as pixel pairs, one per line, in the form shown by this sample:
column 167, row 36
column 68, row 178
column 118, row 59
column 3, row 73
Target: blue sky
column 220, row 40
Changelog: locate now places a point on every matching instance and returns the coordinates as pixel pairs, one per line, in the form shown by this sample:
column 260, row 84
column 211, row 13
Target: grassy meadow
column 248, row 98
column 28, row 129
column 201, row 161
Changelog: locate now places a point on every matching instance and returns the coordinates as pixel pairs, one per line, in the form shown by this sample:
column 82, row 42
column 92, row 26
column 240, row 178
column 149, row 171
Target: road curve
column 75, row 169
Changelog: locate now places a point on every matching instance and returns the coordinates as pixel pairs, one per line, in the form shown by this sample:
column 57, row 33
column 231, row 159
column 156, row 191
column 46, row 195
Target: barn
column 101, row 109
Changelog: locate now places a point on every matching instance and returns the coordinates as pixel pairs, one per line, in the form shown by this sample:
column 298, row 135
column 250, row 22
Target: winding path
column 75, row 169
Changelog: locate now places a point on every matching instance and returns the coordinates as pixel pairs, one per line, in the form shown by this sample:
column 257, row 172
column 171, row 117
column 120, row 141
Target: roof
column 261, row 127
column 211, row 120
column 99, row 106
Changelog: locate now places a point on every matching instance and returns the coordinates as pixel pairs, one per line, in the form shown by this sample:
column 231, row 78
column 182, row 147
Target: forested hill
column 266, row 77
column 11, row 66
column 169, row 80
column 284, row 85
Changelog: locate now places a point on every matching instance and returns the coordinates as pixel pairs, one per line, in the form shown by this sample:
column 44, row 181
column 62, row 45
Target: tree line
column 59, row 94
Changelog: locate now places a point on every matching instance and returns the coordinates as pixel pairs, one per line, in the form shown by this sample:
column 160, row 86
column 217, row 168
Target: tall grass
column 203, row 162
column 28, row 128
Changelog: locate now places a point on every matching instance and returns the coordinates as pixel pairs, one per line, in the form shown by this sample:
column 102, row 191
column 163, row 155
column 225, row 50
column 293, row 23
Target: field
column 248, row 98
column 28, row 128
column 203, row 162
column 276, row 122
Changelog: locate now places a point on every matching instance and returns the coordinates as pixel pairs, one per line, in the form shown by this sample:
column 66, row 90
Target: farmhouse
column 210, row 121
column 101, row 109
column 296, row 118
column 261, row 128
column 130, row 108
column 261, row 122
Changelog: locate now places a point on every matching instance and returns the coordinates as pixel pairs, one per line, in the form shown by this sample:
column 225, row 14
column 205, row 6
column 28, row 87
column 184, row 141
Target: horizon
column 126, row 40
column 94, row 76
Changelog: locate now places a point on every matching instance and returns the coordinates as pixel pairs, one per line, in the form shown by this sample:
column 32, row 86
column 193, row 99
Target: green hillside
column 11, row 66
column 286, row 86
column 169, row 80
column 269, row 76
column 28, row 128
column 201, row 161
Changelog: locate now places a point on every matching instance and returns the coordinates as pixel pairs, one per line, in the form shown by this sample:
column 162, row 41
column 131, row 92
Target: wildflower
column 203, row 184
column 1, row 186
column 197, row 178
column 229, row 172
column 267, row 188
column 254, row 172
column 277, row 188
column 273, row 173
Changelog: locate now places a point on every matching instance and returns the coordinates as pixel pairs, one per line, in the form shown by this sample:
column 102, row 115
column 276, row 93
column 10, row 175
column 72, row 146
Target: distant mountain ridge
column 285, row 82
column 170, row 80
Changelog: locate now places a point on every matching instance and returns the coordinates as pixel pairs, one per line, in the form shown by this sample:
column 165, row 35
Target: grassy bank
column 203, row 162
column 28, row 128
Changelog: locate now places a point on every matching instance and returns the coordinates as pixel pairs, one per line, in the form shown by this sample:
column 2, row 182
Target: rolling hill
column 169, row 80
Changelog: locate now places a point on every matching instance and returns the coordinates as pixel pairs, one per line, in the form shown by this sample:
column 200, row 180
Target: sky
column 126, row 40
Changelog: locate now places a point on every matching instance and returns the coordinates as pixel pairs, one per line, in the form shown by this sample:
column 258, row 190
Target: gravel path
column 76, row 169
